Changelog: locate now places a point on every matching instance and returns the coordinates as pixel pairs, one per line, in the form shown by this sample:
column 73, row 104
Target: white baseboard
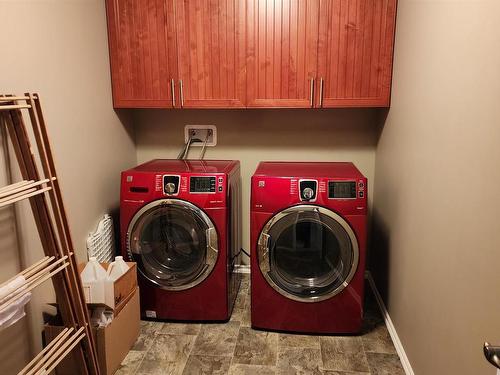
column 242, row 268
column 390, row 327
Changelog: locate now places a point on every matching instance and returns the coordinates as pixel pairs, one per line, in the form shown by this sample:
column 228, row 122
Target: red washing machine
column 180, row 222
column 308, row 236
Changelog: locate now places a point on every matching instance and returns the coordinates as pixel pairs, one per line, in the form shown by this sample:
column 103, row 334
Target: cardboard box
column 116, row 293
column 113, row 342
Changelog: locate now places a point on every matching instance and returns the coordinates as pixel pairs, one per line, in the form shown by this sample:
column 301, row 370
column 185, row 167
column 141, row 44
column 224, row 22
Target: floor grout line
column 190, row 351
column 145, row 354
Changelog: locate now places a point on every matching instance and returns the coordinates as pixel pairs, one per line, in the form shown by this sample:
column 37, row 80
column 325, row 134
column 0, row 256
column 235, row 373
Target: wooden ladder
column 42, row 190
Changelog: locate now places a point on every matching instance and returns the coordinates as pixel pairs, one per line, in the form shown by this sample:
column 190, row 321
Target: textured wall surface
column 59, row 49
column 437, row 172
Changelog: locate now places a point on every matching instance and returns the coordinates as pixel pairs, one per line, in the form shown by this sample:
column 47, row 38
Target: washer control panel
column 171, row 184
column 202, row 184
column 308, row 189
column 342, row 189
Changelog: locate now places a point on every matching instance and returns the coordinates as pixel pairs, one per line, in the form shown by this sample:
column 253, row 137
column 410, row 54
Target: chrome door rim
column 212, row 241
column 263, row 251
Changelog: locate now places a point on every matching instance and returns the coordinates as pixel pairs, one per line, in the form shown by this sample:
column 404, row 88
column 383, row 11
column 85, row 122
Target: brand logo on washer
column 262, row 183
column 150, row 314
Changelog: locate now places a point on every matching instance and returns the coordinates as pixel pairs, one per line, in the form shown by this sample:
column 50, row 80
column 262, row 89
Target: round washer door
column 308, row 253
column 174, row 243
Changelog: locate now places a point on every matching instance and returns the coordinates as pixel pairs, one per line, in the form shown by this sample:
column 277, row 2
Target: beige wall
column 59, row 49
column 436, row 191
column 255, row 135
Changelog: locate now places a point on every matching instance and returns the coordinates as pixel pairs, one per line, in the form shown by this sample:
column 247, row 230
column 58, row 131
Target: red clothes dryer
column 180, row 222
column 308, row 235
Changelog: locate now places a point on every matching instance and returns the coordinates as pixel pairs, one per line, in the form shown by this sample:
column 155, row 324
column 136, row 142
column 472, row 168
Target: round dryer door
column 174, row 244
column 308, row 253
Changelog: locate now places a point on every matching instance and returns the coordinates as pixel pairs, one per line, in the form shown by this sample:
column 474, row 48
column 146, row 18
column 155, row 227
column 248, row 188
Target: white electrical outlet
column 198, row 134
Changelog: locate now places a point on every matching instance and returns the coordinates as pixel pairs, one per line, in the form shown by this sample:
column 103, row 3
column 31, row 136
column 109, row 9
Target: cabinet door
column 355, row 52
column 282, row 49
column 211, row 51
column 142, row 52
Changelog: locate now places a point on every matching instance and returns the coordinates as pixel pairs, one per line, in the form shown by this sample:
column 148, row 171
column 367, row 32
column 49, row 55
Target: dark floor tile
column 217, row 339
column 167, row 355
column 298, row 341
column 256, row 347
column 299, row 361
column 370, row 322
column 343, row 354
column 245, row 284
column 327, row 372
column 241, row 369
column 241, row 300
column 378, row 340
column 371, row 307
column 181, row 329
column 384, row 364
column 130, row 363
column 242, row 316
column 207, row 364
column 143, row 342
column 160, row 367
column 149, row 327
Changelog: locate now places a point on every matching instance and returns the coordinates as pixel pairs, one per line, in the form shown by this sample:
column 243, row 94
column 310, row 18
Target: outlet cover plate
column 200, row 132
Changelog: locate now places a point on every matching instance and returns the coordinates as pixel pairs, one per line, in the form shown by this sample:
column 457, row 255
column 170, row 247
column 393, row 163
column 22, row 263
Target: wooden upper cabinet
column 142, row 52
column 251, row 53
column 211, row 53
column 282, row 52
column 356, row 39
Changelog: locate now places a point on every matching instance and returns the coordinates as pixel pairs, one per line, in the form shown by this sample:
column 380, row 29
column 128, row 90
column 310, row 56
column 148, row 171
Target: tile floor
column 235, row 348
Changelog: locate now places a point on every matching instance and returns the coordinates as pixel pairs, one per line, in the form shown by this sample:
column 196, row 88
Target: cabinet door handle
column 172, row 89
column 181, row 92
column 321, row 92
column 311, row 94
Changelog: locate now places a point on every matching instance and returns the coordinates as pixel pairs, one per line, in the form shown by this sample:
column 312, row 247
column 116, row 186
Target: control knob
column 307, row 193
column 170, row 188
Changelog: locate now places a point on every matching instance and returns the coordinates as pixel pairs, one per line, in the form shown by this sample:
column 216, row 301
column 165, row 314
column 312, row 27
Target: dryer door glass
column 174, row 244
column 308, row 253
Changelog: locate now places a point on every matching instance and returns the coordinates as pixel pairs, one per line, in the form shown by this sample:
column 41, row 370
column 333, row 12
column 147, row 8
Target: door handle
column 172, row 88
column 181, row 90
column 311, row 94
column 321, row 92
column 492, row 354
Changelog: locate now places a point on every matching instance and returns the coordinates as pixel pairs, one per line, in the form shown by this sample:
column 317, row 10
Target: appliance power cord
column 203, row 149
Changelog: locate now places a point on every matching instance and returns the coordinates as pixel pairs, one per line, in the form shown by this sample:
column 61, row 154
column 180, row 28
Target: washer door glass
column 308, row 253
column 174, row 244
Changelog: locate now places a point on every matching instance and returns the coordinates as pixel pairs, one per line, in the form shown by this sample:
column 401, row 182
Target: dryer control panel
column 202, row 184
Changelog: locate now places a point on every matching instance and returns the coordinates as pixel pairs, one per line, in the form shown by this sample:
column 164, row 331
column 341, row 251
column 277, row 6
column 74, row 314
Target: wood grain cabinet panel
column 251, row 53
column 142, row 47
column 211, row 48
column 356, row 39
column 282, row 52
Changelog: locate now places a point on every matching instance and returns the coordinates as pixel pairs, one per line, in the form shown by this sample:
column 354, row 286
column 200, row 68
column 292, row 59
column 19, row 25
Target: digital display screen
column 341, row 189
column 202, row 185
